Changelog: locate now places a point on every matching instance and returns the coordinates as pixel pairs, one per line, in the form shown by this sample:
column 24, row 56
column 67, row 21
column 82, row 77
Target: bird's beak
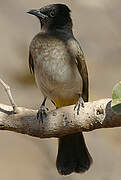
column 37, row 13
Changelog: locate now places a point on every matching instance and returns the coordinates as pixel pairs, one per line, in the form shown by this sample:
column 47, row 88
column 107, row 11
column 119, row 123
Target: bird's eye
column 52, row 13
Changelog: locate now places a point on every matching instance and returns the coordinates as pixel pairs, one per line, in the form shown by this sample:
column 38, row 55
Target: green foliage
column 116, row 98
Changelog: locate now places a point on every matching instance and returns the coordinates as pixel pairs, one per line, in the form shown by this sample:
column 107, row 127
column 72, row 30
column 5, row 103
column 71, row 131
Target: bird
column 58, row 64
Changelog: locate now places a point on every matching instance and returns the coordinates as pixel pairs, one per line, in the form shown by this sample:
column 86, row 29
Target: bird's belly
column 59, row 80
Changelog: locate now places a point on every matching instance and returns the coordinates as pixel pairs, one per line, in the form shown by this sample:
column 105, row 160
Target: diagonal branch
column 7, row 89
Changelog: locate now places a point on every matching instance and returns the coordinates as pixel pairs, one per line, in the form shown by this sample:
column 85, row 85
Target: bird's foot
column 79, row 104
column 42, row 113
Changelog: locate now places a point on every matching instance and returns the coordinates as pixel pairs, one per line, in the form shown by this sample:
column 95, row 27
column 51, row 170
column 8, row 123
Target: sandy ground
column 97, row 25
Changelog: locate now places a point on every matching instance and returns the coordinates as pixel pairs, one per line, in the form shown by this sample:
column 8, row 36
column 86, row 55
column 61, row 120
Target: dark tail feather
column 73, row 155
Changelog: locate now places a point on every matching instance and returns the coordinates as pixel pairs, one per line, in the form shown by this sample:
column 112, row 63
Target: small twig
column 7, row 89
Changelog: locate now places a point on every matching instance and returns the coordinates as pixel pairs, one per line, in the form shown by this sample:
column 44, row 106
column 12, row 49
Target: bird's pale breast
column 56, row 72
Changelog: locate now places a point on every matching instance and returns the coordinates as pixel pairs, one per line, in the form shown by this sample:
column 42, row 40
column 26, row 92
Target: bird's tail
column 73, row 155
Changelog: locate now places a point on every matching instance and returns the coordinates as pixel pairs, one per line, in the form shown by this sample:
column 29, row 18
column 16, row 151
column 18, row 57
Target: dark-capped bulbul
column 58, row 63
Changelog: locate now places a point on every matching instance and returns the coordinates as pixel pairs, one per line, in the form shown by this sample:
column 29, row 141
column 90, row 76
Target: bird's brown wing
column 81, row 64
column 76, row 51
column 31, row 63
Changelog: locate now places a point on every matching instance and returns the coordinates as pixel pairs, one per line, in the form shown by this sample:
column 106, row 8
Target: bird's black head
column 53, row 17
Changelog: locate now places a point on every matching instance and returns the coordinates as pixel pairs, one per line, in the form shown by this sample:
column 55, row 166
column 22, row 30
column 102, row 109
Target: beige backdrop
column 97, row 25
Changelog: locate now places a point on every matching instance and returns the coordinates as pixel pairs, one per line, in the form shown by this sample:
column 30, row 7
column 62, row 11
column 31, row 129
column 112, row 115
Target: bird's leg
column 79, row 104
column 42, row 112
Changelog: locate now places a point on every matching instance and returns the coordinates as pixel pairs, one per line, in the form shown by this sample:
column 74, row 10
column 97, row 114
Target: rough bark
column 59, row 122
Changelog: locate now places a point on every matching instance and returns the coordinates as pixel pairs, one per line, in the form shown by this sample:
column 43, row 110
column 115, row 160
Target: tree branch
column 59, row 122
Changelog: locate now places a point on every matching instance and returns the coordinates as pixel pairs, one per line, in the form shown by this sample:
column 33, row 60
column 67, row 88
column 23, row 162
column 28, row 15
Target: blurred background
column 97, row 26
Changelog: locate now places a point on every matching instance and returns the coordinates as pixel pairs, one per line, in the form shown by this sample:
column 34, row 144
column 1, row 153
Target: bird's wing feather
column 81, row 64
column 78, row 54
column 31, row 63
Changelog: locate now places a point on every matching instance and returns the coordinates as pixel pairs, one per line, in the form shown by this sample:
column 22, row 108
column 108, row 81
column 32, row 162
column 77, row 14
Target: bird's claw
column 42, row 113
column 79, row 104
